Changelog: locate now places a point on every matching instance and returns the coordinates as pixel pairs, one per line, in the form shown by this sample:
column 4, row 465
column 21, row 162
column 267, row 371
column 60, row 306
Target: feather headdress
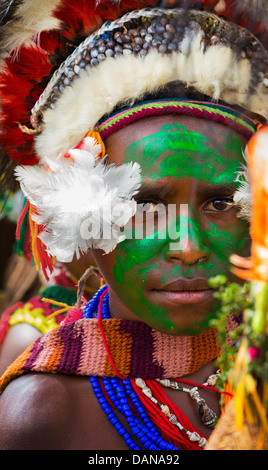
column 35, row 45
column 65, row 64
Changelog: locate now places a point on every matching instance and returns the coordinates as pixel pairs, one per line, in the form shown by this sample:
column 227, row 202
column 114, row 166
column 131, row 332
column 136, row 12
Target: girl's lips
column 185, row 291
column 184, row 297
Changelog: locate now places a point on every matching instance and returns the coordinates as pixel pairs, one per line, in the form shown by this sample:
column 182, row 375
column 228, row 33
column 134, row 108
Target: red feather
column 85, row 17
column 51, row 42
column 32, row 64
column 20, row 88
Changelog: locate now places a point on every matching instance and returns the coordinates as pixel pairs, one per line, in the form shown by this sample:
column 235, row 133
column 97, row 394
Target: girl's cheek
column 135, row 258
column 224, row 243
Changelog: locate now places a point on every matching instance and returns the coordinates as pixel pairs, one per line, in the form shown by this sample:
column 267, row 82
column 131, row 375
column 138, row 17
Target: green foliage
column 237, row 300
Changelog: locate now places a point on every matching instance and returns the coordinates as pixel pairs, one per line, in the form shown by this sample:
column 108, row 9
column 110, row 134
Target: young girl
column 139, row 151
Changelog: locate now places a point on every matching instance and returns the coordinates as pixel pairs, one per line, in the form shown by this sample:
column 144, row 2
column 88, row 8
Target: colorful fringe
column 77, row 348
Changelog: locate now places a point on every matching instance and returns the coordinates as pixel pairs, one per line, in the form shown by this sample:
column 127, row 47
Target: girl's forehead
column 180, row 147
column 151, row 137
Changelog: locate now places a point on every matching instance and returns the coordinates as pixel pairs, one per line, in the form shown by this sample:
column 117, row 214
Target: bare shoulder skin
column 52, row 412
column 56, row 412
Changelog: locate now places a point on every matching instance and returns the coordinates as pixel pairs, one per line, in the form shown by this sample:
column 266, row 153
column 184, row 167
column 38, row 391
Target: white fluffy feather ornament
column 82, row 202
column 242, row 196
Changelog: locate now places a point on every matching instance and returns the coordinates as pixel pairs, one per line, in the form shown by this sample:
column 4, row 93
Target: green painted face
column 181, row 167
column 143, row 263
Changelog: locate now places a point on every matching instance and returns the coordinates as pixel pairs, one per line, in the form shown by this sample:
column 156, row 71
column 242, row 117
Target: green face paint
column 138, row 262
column 174, row 151
column 143, row 264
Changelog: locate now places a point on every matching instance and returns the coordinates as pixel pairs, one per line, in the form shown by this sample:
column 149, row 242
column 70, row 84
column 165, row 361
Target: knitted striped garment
column 77, row 348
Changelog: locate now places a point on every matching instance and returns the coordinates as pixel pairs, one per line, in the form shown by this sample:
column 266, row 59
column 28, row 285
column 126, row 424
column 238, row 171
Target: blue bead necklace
column 143, row 434
column 91, row 308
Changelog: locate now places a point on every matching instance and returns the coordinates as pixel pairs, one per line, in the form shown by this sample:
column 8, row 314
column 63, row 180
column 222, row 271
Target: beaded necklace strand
column 140, row 401
column 207, row 416
column 111, row 392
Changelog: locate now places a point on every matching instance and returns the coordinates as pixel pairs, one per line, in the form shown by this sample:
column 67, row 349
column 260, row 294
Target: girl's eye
column 220, row 205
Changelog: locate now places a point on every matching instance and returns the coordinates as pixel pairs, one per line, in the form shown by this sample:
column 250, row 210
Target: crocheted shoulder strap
column 77, row 348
